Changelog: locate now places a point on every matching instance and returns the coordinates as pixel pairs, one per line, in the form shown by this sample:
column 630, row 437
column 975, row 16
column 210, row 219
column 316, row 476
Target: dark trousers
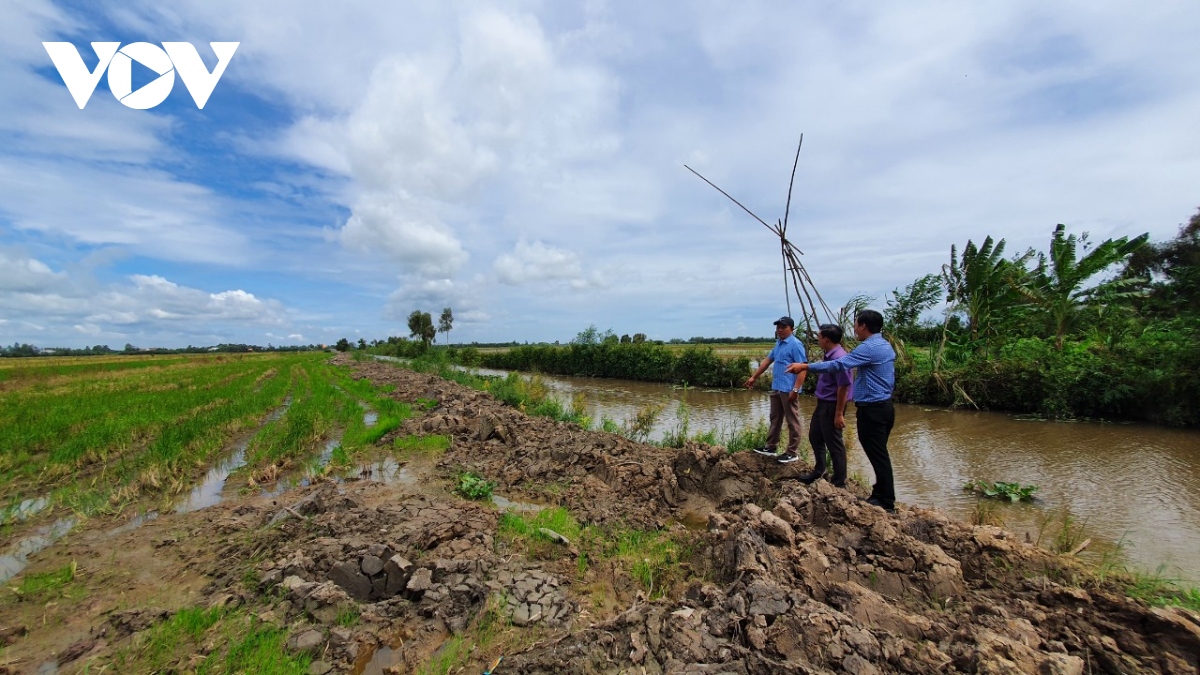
column 784, row 409
column 875, row 422
column 824, row 436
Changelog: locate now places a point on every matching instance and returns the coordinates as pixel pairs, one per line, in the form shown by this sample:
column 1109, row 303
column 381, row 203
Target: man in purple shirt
column 829, row 419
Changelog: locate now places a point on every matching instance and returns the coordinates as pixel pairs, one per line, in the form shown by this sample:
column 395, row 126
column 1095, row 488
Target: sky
column 523, row 162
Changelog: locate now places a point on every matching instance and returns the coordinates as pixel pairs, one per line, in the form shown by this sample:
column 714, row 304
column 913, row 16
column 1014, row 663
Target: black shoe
column 810, row 478
column 766, row 452
column 788, row 458
column 876, row 501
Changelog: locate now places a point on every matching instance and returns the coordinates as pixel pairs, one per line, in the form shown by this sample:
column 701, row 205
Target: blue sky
column 522, row 162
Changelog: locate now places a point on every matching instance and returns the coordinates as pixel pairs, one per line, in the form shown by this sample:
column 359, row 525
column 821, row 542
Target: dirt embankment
column 783, row 578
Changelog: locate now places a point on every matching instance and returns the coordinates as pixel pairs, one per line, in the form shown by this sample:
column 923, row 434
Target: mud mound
column 803, row 579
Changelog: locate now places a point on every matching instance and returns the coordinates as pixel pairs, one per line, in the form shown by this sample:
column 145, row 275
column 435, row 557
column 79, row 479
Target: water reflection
column 17, row 557
column 1132, row 486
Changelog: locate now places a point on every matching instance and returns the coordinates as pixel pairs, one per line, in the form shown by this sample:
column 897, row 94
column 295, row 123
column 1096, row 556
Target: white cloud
column 148, row 305
column 535, row 261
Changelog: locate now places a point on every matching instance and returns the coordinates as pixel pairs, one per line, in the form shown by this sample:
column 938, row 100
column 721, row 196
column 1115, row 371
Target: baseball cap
column 787, row 321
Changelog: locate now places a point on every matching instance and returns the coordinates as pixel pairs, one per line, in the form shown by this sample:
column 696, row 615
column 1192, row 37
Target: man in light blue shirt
column 785, row 391
column 875, row 359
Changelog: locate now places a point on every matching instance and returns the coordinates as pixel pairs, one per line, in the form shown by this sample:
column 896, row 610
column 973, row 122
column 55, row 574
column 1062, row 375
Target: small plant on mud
column 610, row 425
column 1014, row 492
column 1068, row 533
column 427, row 403
column 985, row 514
column 675, row 438
column 639, row 427
column 41, row 586
column 348, row 616
column 474, row 487
column 743, row 435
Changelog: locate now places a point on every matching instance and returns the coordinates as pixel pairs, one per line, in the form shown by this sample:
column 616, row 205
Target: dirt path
column 781, row 578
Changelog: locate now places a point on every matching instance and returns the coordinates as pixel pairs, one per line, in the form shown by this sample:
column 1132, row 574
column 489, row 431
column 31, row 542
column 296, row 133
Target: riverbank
column 677, row 560
column 1031, row 376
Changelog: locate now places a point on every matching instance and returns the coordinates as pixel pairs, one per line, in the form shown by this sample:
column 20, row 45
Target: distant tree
column 129, row 348
column 587, row 336
column 625, row 339
column 420, row 325
column 362, row 344
column 904, row 307
column 639, row 338
column 343, row 345
column 446, row 322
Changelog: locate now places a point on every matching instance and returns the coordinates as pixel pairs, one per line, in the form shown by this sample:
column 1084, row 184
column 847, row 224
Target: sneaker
column 766, row 452
column 810, row 478
column 788, row 458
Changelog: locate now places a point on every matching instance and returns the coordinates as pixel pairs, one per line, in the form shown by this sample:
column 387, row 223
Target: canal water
column 1133, row 489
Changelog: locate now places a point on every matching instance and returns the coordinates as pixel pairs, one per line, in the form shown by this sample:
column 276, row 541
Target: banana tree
column 1057, row 284
column 979, row 283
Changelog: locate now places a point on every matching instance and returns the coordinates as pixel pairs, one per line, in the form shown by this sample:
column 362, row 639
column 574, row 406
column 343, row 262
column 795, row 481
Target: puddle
column 20, row 512
column 17, row 558
column 387, row 470
column 288, row 484
column 377, row 662
column 133, row 524
column 510, row 505
column 694, row 520
column 208, row 492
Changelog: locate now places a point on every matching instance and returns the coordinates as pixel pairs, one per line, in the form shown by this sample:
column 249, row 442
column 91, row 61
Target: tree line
column 1084, row 329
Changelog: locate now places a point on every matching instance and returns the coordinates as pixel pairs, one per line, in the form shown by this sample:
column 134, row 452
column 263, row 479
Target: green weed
column 474, row 487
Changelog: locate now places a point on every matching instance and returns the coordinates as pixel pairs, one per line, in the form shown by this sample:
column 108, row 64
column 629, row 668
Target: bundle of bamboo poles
column 807, row 296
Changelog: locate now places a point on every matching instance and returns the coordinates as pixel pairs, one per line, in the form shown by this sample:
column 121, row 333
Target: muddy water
column 1133, row 489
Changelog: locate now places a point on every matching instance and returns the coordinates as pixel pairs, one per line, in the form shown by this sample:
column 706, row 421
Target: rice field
column 95, row 433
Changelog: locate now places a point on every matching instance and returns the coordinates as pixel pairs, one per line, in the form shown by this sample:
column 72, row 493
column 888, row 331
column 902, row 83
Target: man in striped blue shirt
column 875, row 360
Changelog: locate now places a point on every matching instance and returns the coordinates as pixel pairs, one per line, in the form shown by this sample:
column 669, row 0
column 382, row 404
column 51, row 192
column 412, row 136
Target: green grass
column 1161, row 591
column 422, row 445
column 348, row 616
column 253, row 647
column 40, row 587
column 651, row 558
column 244, row 645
